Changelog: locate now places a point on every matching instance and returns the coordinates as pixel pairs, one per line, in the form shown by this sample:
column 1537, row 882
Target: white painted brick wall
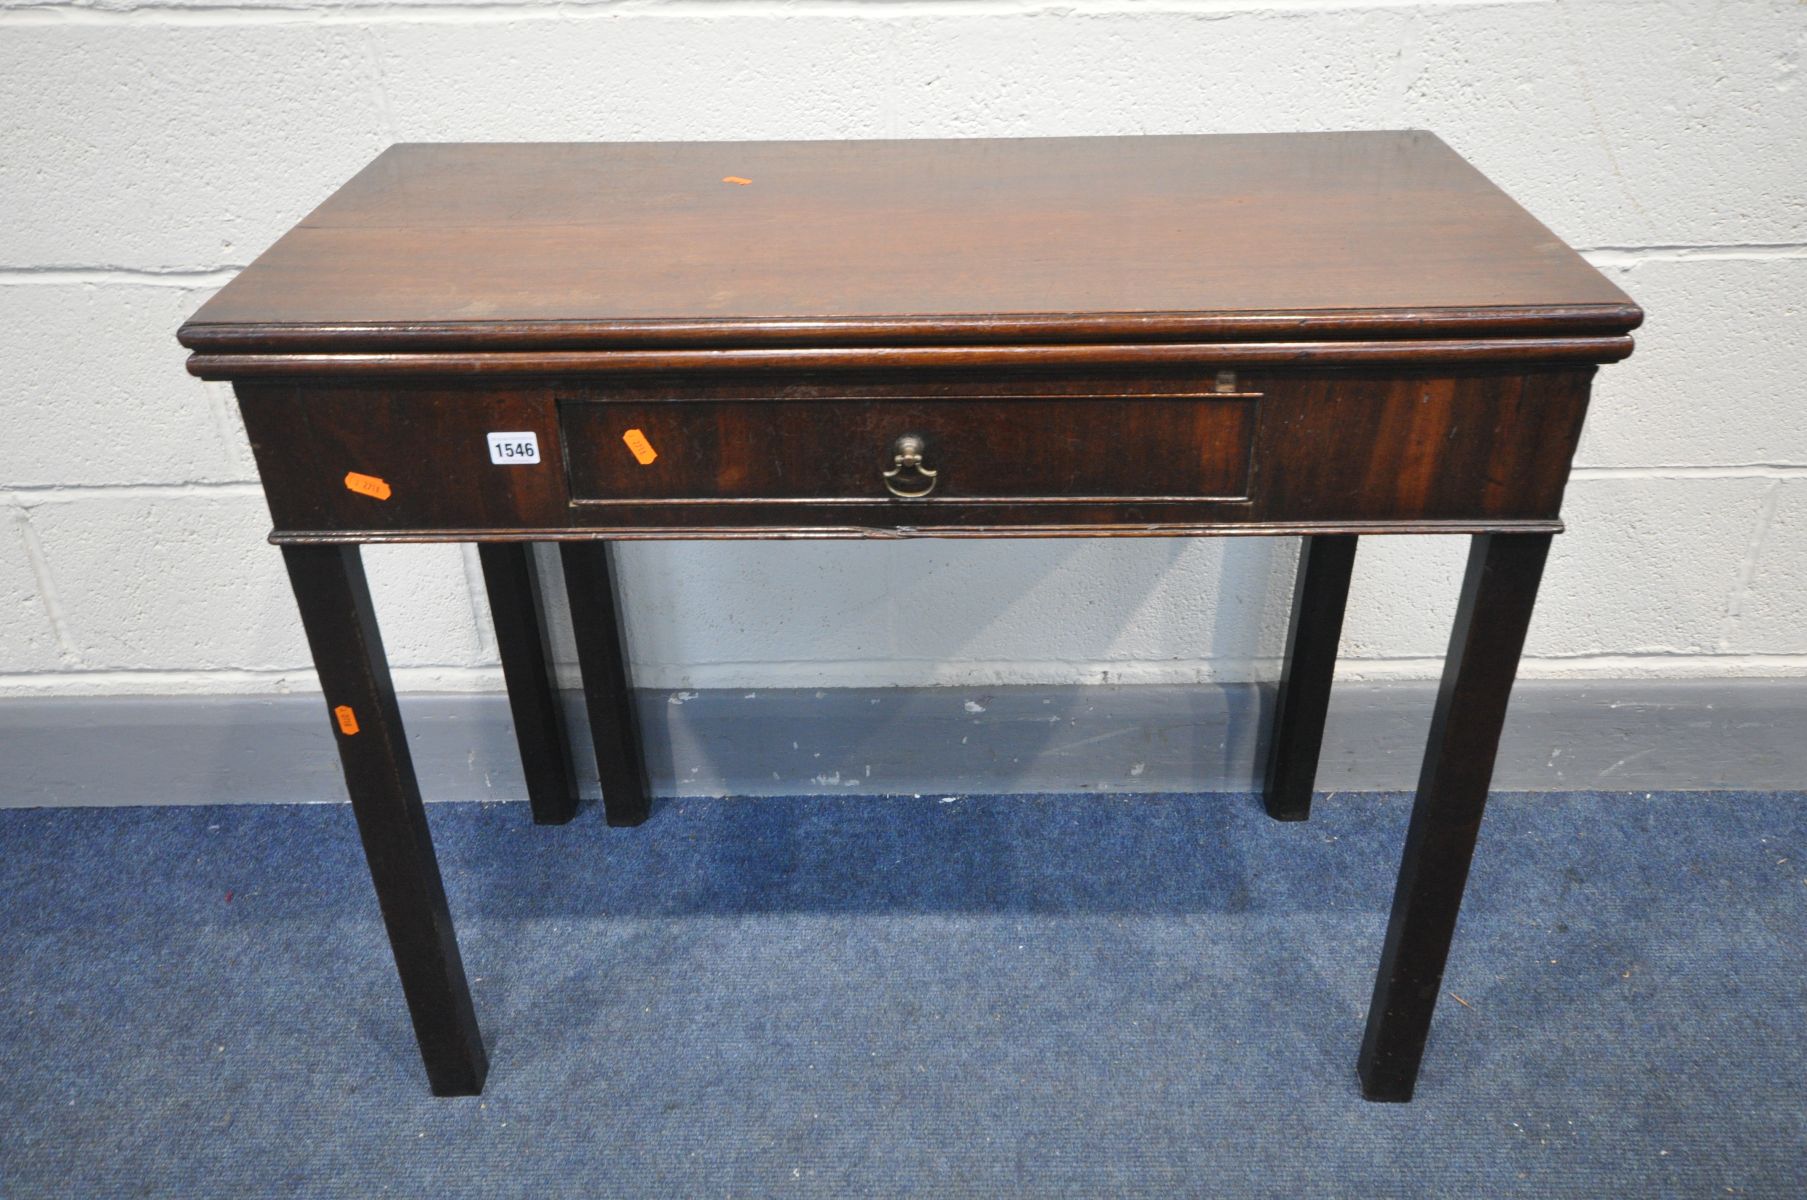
column 149, row 147
column 1770, row 612
column 96, row 395
column 1717, row 377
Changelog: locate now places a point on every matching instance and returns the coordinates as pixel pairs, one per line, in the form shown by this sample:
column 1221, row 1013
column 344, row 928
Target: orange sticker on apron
column 643, row 449
column 367, row 485
column 348, row 720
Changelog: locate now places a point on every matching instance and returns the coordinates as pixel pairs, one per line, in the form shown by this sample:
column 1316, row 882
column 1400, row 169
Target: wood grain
column 1020, row 450
column 1323, row 450
column 909, row 358
column 1296, row 237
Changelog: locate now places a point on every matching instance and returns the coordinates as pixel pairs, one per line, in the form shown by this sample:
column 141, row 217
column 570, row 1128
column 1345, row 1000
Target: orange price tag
column 348, row 720
column 643, row 449
column 367, row 485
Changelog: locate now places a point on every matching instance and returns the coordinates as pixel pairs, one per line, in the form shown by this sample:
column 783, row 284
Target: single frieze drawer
column 1016, row 450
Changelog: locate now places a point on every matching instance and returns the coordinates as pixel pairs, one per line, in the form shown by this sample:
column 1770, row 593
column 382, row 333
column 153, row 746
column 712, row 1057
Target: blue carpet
column 986, row 996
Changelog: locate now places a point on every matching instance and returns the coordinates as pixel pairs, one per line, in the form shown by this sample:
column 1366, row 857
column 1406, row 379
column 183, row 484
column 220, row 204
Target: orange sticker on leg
column 643, row 449
column 348, row 720
column 367, row 485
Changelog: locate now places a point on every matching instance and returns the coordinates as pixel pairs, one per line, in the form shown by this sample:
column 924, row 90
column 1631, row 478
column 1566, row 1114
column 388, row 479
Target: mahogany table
column 1316, row 335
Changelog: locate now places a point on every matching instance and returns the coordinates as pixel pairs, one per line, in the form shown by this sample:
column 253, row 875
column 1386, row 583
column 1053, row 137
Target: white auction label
column 514, row 449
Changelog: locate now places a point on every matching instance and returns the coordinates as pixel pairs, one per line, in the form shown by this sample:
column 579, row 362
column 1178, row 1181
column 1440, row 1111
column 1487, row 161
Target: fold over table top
column 459, row 249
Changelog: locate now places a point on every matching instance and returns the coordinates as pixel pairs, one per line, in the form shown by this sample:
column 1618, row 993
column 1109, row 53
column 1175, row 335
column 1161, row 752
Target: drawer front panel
column 1016, row 450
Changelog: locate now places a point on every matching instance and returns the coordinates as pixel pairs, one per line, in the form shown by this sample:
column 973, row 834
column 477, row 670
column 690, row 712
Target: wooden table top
column 739, row 244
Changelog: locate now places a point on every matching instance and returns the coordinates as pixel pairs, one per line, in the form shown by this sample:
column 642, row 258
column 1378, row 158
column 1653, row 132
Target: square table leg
column 1320, row 595
column 602, row 657
column 539, row 719
column 1498, row 593
column 348, row 654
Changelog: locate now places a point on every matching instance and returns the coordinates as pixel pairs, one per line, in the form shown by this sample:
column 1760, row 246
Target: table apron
column 1177, row 454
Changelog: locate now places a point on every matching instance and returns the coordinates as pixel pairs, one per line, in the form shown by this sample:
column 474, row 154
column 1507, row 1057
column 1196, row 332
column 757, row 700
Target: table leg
column 348, row 654
column 1319, row 596
column 539, row 719
column 1498, row 593
column 602, row 657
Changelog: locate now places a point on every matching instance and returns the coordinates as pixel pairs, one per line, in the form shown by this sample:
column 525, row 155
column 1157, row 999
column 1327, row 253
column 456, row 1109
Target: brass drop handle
column 907, row 477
